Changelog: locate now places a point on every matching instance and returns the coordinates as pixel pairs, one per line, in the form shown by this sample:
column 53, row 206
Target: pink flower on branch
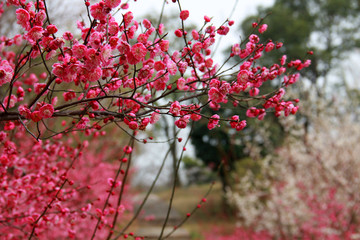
column 263, row 28
column 46, row 111
column 6, row 72
column 23, row 18
column 182, row 122
column 112, row 3
column 175, row 108
column 138, row 52
column 34, row 34
column 184, row 14
column 213, row 121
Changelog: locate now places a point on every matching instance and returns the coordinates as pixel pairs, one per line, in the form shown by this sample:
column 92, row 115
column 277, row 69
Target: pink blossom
column 178, row 33
column 171, row 67
column 164, row 45
column 20, row 92
column 50, row 55
column 159, row 65
column 127, row 149
column 38, row 87
column 36, row 116
column 269, row 46
column 39, row 18
column 6, row 72
column 215, row 95
column 94, row 75
column 155, row 116
column 95, row 40
column 34, row 34
column 145, row 73
column 195, row 34
column 146, row 23
column 161, row 29
column 263, row 28
column 254, row 92
column 288, row 80
column 68, row 36
column 51, row 29
column 79, row 50
column 161, row 79
column 182, row 122
column 197, row 47
column 46, row 111
column 208, row 42
column 98, row 12
column 23, row 18
column 113, row 28
column 11, row 102
column 182, row 66
column 209, row 62
column 181, row 84
column 128, row 18
column 237, row 124
column 254, row 38
column 133, row 125
column 68, row 96
column 82, row 123
column 139, row 51
column 243, row 77
column 123, row 47
column 213, row 121
column 175, row 108
column 184, row 14
column 252, row 112
column 112, row 3
column 236, row 49
column 223, row 30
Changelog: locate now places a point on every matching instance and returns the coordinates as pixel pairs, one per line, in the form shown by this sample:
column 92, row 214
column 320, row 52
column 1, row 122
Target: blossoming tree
column 114, row 70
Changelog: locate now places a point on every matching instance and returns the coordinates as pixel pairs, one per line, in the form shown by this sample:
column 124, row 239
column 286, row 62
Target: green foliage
column 190, row 162
column 248, row 164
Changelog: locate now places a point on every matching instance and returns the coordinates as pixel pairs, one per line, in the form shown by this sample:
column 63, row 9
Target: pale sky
column 219, row 11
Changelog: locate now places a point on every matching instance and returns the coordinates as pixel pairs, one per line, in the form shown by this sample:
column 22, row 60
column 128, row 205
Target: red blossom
column 213, row 121
column 178, row 33
column 6, row 72
column 34, row 34
column 184, row 14
column 182, row 122
column 263, row 28
column 112, row 3
column 139, row 51
column 46, row 111
column 23, row 18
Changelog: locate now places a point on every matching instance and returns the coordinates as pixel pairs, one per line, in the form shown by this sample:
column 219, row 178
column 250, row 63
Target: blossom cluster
column 62, row 179
column 122, row 70
column 112, row 69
